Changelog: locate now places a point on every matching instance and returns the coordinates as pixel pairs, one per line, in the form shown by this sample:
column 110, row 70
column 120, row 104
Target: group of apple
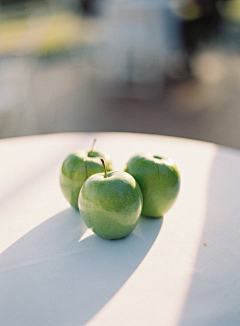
column 111, row 202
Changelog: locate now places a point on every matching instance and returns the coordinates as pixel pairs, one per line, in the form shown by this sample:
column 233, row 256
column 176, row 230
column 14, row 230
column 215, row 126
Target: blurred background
column 169, row 67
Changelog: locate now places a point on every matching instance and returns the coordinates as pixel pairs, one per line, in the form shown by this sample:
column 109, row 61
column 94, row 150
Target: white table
column 183, row 269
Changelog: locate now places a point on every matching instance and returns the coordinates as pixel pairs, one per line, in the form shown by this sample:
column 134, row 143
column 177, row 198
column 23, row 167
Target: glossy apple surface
column 159, row 180
column 111, row 206
column 76, row 168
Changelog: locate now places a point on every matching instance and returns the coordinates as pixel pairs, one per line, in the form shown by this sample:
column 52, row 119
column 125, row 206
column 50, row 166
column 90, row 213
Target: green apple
column 76, row 168
column 110, row 204
column 159, row 180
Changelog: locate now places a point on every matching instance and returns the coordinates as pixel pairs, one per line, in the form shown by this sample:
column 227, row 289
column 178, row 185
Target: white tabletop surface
column 183, row 269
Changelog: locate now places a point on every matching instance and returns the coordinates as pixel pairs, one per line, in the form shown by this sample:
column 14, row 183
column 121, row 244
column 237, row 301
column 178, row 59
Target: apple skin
column 111, row 206
column 76, row 168
column 159, row 180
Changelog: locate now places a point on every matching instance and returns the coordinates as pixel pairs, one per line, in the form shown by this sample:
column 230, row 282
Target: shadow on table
column 49, row 277
column 214, row 294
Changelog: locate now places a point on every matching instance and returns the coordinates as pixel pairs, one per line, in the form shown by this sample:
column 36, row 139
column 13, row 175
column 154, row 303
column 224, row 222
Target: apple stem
column 91, row 152
column 104, row 167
